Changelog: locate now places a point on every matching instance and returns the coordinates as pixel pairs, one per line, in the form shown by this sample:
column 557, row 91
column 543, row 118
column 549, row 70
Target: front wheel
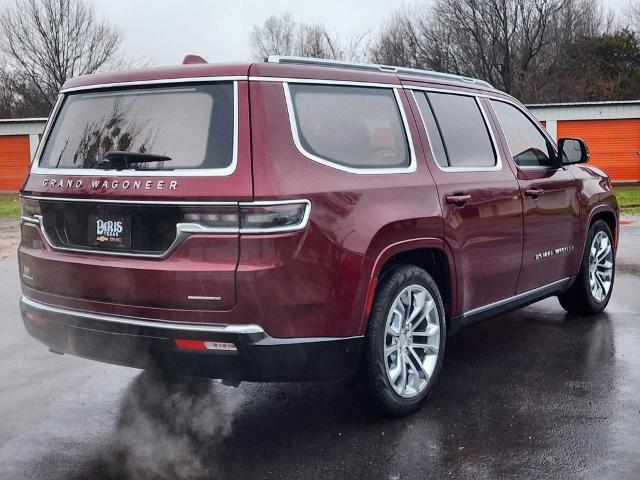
column 405, row 341
column 591, row 291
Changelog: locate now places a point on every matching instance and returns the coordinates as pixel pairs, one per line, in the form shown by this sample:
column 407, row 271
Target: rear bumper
column 140, row 343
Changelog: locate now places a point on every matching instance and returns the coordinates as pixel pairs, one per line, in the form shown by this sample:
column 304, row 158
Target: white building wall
column 586, row 111
column 22, row 126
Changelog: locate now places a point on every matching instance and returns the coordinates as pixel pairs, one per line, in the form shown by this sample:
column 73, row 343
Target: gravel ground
column 9, row 236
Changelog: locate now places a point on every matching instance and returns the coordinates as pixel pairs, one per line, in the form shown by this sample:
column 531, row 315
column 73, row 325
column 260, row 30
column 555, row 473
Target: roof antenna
column 191, row 59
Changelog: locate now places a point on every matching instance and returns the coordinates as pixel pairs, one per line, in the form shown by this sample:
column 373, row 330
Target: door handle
column 458, row 200
column 534, row 192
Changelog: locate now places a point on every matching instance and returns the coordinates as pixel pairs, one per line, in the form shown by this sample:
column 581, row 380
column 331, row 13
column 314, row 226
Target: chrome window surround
column 329, row 163
column 183, row 230
column 284, row 80
column 178, row 172
column 500, row 98
column 494, row 143
column 536, row 125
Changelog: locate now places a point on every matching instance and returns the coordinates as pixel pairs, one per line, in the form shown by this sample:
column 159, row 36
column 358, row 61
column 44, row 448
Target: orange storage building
column 18, row 142
column 611, row 130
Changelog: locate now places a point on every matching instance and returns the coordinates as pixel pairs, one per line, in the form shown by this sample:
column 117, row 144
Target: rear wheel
column 591, row 291
column 405, row 342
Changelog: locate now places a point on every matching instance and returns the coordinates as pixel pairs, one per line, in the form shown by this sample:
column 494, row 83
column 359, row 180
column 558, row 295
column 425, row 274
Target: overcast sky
column 161, row 32
column 164, row 31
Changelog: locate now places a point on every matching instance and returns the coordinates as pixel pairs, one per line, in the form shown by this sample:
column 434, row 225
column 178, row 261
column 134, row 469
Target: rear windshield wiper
column 117, row 160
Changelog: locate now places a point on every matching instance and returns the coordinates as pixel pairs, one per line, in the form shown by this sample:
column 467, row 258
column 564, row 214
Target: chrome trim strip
column 30, row 219
column 130, row 202
column 360, row 171
column 375, row 67
column 179, row 172
column 347, row 83
column 139, row 322
column 160, row 81
column 183, row 230
column 45, row 134
column 505, row 301
column 241, row 329
column 201, row 297
column 494, row 144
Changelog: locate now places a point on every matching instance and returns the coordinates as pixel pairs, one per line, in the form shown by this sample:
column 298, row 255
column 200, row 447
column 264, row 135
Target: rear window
column 192, row 125
column 358, row 127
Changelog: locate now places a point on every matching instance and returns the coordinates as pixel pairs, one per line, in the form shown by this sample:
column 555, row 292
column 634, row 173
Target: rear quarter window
column 193, row 125
column 356, row 127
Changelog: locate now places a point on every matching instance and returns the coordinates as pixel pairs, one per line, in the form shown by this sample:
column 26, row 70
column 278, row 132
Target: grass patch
column 631, row 210
column 628, row 196
column 9, row 205
column 628, row 199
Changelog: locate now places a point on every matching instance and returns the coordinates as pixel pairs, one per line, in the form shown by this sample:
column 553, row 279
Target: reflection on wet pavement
column 534, row 393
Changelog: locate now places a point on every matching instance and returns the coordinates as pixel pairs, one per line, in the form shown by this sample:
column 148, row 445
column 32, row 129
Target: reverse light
column 202, row 345
column 213, row 217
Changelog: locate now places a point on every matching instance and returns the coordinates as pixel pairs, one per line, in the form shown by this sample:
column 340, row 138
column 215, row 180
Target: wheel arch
column 610, row 218
column 432, row 254
column 609, row 215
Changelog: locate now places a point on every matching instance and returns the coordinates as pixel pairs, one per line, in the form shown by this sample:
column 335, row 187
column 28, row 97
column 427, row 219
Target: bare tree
column 514, row 44
column 632, row 14
column 276, row 36
column 282, row 35
column 46, row 42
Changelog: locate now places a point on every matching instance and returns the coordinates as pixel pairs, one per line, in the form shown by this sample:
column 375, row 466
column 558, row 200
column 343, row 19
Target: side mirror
column 573, row 150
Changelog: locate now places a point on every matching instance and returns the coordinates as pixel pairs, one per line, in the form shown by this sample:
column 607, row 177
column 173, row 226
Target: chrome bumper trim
column 139, row 322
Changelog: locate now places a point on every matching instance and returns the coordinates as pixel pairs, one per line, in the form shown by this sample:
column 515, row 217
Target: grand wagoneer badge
column 112, row 184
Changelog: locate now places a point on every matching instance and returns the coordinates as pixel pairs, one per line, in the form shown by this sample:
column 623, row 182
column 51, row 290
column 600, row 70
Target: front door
column 479, row 195
column 549, row 200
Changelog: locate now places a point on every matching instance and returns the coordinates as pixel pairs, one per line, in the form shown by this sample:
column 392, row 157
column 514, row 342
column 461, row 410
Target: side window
column 358, row 127
column 527, row 144
column 435, row 139
column 457, row 130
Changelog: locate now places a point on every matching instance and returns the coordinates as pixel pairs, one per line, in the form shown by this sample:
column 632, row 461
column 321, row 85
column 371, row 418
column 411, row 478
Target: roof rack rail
column 373, row 67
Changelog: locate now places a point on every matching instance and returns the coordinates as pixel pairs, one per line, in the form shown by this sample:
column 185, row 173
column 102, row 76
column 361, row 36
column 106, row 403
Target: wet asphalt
column 531, row 394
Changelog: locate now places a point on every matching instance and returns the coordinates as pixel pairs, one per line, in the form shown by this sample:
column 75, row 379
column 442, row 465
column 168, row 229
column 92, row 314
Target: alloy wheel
column 600, row 266
column 411, row 341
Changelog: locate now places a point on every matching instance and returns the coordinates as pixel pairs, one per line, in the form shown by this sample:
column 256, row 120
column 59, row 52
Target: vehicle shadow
column 512, row 392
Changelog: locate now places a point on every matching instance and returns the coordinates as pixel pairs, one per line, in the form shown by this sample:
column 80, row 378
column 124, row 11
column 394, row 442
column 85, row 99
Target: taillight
column 30, row 207
column 255, row 217
column 279, row 217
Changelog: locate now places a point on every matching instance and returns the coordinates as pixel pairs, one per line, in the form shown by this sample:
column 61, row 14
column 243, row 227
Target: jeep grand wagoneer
column 301, row 219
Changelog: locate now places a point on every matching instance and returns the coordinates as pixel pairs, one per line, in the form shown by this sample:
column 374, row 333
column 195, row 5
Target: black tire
column 579, row 299
column 374, row 382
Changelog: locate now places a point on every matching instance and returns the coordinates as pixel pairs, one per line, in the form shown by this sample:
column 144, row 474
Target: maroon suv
column 301, row 219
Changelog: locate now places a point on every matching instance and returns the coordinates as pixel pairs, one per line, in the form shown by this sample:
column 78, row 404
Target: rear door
column 479, row 196
column 549, row 199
